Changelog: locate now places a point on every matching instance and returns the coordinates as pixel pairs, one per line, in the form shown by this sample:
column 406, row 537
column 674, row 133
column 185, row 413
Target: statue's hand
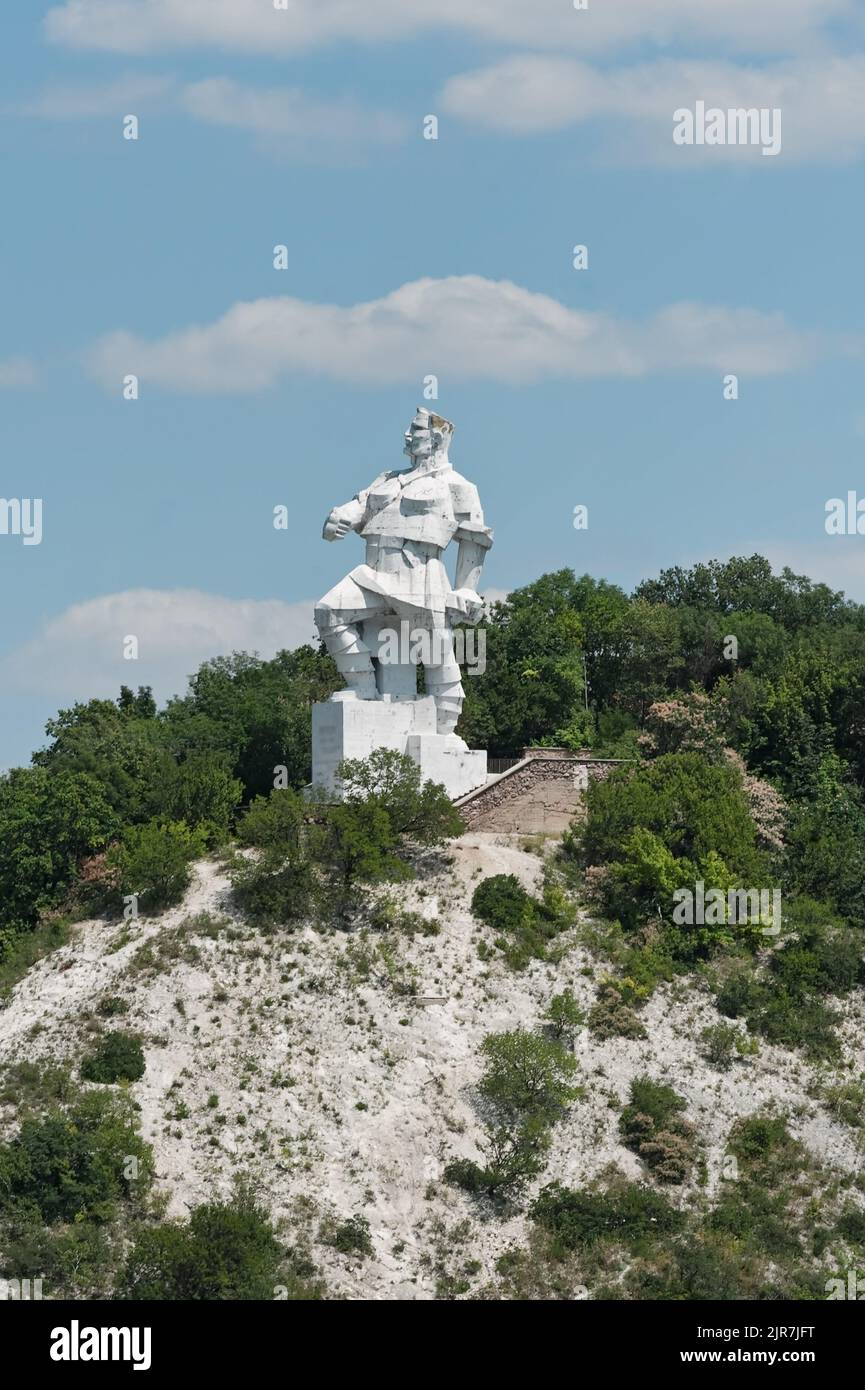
column 474, row 604
column 335, row 528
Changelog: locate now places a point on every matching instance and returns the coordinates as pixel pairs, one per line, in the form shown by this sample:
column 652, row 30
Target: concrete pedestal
column 351, row 728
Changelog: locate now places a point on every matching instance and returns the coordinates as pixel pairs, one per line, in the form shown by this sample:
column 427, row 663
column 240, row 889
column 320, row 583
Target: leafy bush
column 356, row 845
column 722, row 1044
column 786, row 1004
column 153, row 860
column 112, row 1004
column 564, row 1015
column 73, row 1163
column 226, row 1251
column 391, row 781
column 502, row 903
column 274, row 821
column 525, row 924
column 275, row 888
column 652, row 1126
column 116, row 1057
column 628, row 1213
column 352, row 1236
column 662, row 827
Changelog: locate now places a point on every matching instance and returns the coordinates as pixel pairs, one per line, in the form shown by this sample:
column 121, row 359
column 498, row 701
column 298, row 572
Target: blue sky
column 304, row 127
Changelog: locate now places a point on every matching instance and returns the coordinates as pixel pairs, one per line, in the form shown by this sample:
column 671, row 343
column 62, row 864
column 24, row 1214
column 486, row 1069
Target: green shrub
column 786, row 1004
column 226, row 1251
column 73, row 1163
column 357, row 844
column 274, row 821
column 661, row 827
column 112, row 1004
column 116, row 1057
column 502, row 903
column 651, row 1125
column 628, row 1213
column 722, row 1044
column 525, row 924
column 352, row 1237
column 564, row 1014
column 276, row 887
column 153, row 861
column 391, row 782
column 851, row 1226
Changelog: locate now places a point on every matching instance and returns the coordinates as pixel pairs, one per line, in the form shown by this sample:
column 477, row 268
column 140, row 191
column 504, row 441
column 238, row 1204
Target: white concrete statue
column 407, row 518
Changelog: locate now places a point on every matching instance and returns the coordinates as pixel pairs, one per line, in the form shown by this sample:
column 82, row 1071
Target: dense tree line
column 569, row 660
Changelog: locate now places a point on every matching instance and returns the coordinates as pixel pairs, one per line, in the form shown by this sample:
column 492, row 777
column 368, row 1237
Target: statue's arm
column 350, row 516
column 343, row 519
column 473, row 537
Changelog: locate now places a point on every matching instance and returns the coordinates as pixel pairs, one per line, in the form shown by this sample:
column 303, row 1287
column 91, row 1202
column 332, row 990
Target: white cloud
column 822, row 102
column 284, row 119
column 462, row 327
column 287, row 117
column 16, row 371
column 79, row 654
column 76, row 100
column 254, row 26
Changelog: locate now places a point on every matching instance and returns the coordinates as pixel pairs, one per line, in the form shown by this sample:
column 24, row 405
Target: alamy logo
column 411, row 646
column 845, row 518
column 21, row 516
column 77, row 1343
column 851, row 1288
column 20, row 1290
column 714, row 907
column 737, row 126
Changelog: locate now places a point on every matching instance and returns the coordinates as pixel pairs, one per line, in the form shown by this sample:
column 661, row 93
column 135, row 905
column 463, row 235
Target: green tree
column 358, row 845
column 49, row 822
column 153, row 861
column 390, row 781
column 526, row 1075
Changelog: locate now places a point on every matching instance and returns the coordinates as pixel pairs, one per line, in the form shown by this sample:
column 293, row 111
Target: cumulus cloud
column 822, row 102
column 255, row 26
column 79, row 654
column 16, row 372
column 465, row 327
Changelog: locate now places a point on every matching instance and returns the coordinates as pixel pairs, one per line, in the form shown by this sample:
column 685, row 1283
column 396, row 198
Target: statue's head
column 427, row 436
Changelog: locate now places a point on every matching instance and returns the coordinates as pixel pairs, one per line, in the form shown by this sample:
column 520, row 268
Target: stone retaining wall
column 539, row 795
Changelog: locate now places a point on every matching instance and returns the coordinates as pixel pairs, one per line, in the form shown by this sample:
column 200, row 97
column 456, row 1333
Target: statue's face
column 418, row 441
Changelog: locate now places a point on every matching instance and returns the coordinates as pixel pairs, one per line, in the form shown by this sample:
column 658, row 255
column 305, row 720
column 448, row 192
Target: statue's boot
column 350, row 654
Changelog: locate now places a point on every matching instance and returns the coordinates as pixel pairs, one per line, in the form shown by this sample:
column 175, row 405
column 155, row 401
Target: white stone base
column 352, row 728
column 446, row 758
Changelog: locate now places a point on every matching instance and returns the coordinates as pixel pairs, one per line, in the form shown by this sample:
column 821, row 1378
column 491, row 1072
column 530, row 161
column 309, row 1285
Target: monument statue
column 407, row 517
